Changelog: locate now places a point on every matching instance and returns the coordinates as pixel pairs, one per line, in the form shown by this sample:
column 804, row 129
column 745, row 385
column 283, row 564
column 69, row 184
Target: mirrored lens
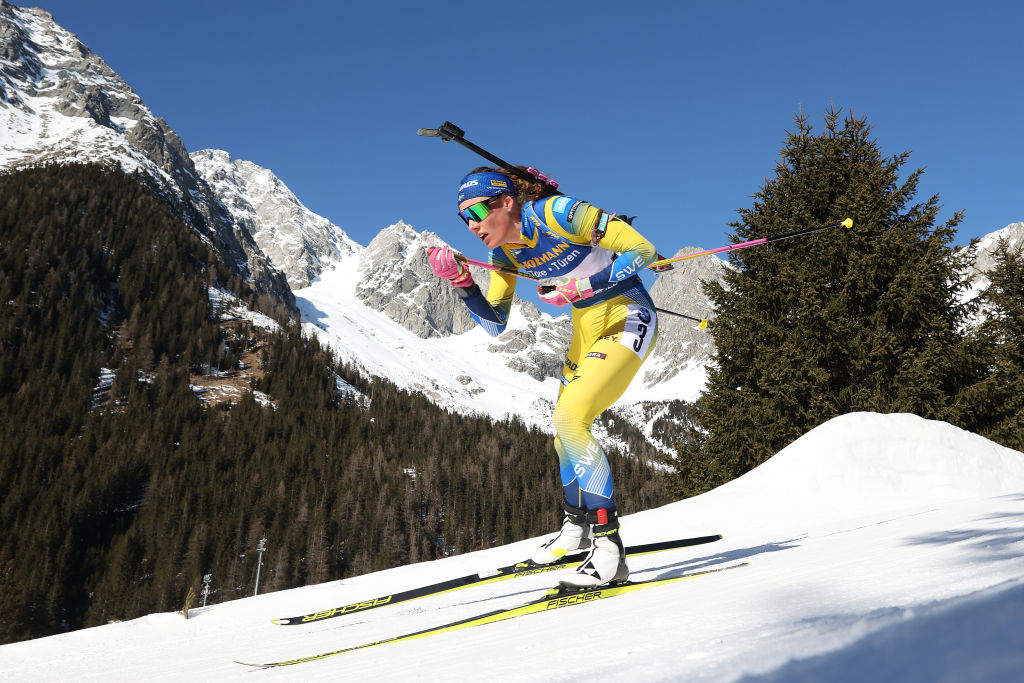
column 477, row 212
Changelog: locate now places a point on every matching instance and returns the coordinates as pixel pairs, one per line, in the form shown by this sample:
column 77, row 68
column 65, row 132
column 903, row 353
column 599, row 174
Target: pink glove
column 570, row 292
column 442, row 260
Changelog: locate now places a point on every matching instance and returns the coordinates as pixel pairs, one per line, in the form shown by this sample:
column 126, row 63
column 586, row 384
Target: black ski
column 526, row 568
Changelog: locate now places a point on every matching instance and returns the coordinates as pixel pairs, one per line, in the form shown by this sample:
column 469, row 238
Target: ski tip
column 847, row 223
column 703, row 324
column 255, row 666
column 283, row 621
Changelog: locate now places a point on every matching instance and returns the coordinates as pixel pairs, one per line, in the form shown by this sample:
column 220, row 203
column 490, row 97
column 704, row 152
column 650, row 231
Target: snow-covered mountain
column 296, row 240
column 381, row 309
column 59, row 102
column 876, row 548
column 682, row 346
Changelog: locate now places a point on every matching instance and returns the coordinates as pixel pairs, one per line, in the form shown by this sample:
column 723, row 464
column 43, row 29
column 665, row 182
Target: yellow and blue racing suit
column 613, row 331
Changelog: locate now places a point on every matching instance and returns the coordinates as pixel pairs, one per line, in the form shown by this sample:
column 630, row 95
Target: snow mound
column 866, row 462
column 860, row 464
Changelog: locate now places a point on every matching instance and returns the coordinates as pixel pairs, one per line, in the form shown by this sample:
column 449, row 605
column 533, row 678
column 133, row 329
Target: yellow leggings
column 610, row 342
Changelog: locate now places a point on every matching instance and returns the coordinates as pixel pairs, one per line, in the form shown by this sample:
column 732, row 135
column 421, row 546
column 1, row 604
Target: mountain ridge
column 390, row 280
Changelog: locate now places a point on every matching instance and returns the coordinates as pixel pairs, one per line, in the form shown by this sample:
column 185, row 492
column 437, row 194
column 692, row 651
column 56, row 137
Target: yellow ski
column 553, row 599
column 512, row 571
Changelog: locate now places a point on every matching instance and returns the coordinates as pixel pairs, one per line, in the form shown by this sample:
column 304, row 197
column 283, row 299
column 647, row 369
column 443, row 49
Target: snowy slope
column 879, row 548
column 468, row 372
column 456, row 372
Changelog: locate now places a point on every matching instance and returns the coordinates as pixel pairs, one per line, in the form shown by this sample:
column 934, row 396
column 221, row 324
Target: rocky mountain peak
column 396, row 279
column 299, row 242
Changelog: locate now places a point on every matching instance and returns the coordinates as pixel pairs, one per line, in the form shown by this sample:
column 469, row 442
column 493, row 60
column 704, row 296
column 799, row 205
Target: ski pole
column 499, row 269
column 660, row 265
column 449, row 131
column 666, row 264
column 702, row 323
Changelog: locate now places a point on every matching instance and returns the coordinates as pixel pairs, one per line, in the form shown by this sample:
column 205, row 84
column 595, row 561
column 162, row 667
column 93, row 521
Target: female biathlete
column 591, row 260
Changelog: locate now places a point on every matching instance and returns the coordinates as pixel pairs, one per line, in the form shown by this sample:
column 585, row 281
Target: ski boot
column 606, row 562
column 575, row 535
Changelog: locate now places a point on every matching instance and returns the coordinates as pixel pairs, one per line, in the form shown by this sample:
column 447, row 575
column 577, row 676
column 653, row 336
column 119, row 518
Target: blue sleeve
column 487, row 316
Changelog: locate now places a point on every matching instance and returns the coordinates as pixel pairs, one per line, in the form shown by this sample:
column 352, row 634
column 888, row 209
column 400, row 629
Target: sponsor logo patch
column 355, row 607
column 572, row 211
column 574, row 599
column 544, row 258
column 628, row 270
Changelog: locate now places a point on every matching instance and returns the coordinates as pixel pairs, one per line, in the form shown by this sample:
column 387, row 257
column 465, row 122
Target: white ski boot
column 606, row 562
column 575, row 535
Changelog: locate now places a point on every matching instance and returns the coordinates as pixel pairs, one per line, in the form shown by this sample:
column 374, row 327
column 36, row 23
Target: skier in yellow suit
column 590, row 260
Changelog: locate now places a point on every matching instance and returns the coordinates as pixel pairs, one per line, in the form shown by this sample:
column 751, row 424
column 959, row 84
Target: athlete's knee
column 560, row 450
column 568, row 422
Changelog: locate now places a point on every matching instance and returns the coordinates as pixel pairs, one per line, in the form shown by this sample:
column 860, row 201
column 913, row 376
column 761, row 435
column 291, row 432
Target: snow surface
column 227, row 306
column 371, row 340
column 879, row 548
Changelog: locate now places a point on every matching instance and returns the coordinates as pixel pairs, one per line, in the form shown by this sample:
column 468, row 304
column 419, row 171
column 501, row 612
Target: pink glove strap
column 570, row 292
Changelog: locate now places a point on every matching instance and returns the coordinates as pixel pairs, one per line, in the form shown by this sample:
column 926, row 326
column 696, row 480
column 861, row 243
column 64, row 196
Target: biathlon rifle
column 448, row 131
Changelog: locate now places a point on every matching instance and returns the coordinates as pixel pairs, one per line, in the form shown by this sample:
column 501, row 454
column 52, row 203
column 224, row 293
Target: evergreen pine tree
column 861, row 319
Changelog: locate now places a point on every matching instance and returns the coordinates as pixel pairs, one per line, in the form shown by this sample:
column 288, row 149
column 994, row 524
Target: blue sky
column 674, row 111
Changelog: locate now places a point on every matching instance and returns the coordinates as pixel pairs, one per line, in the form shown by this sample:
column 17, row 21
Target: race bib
column 641, row 323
